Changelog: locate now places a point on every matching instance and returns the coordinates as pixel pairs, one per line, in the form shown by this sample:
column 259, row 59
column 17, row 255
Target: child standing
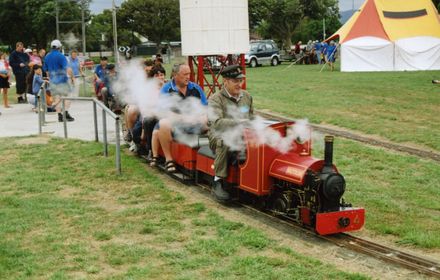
column 37, row 83
column 5, row 73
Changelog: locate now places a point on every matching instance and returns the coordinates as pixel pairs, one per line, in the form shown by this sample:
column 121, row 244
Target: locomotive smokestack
column 328, row 154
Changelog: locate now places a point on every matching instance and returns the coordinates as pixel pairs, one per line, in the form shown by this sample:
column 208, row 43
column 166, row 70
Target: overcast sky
column 98, row 5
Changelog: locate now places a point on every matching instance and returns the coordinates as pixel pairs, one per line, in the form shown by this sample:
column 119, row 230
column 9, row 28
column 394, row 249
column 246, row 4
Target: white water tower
column 215, row 33
column 213, row 27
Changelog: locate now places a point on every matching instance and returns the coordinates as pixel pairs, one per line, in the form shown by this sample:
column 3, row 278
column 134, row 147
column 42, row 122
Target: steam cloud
column 70, row 40
column 132, row 87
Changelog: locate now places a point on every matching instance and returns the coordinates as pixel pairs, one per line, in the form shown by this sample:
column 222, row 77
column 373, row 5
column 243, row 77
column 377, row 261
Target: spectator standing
column 5, row 74
column 42, row 55
column 75, row 70
column 19, row 62
column 331, row 54
column 37, row 83
column 74, row 64
column 318, row 51
column 55, row 65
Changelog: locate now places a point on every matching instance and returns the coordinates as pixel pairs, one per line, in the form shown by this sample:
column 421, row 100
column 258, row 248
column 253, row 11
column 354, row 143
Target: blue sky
column 98, row 5
column 345, row 5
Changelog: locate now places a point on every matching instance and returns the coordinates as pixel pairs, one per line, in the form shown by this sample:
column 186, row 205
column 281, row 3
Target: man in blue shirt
column 330, row 54
column 55, row 65
column 318, row 51
column 179, row 86
column 74, row 64
column 75, row 70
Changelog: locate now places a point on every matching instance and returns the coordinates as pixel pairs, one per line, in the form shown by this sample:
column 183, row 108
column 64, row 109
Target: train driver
column 226, row 110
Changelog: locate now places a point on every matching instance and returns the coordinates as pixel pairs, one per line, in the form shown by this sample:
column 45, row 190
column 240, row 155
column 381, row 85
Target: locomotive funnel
column 328, row 154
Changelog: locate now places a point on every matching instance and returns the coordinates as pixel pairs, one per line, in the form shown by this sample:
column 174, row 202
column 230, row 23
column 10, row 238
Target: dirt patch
column 39, row 140
column 301, row 243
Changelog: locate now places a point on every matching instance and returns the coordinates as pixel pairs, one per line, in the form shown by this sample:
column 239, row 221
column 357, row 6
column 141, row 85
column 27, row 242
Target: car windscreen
column 254, row 47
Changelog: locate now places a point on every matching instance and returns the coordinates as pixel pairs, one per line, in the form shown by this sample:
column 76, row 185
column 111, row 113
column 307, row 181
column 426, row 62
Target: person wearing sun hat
column 226, row 109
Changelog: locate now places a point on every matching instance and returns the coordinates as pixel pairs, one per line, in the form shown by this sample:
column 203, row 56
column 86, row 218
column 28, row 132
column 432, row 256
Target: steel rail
column 350, row 242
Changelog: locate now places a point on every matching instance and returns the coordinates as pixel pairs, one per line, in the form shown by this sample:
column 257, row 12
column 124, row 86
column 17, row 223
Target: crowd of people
column 315, row 52
column 54, row 74
column 37, row 73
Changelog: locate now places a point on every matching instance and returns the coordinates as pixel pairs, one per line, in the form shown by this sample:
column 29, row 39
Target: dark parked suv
column 263, row 52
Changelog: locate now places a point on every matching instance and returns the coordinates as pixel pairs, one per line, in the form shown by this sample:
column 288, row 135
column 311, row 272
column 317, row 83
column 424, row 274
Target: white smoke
column 133, row 88
column 70, row 40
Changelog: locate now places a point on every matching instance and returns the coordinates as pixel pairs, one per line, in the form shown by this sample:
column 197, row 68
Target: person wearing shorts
column 55, row 65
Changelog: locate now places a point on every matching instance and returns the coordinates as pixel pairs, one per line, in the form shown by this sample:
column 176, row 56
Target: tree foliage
column 281, row 19
column 100, row 33
column 157, row 20
column 33, row 21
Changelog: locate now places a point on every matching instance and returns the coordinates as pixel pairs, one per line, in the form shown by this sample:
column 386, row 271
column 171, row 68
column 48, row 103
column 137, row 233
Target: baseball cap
column 55, row 43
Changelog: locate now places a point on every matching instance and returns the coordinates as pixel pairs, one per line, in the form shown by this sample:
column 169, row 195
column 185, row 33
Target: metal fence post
column 118, row 146
column 84, row 85
column 43, row 102
column 63, row 108
column 40, row 129
column 104, row 132
column 95, row 121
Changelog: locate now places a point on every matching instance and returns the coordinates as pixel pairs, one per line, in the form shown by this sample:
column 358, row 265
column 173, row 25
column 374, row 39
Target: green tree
column 33, row 21
column 157, row 20
column 281, row 19
column 100, row 33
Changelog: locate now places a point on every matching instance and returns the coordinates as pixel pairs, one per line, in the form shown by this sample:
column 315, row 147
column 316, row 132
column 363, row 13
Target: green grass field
column 65, row 214
column 401, row 193
column 400, row 106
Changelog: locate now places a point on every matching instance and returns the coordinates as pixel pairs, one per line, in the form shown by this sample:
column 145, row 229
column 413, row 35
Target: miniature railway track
column 375, row 250
column 387, row 254
column 364, row 139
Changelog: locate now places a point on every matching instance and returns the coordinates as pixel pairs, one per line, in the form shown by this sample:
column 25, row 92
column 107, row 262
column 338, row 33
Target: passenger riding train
column 294, row 185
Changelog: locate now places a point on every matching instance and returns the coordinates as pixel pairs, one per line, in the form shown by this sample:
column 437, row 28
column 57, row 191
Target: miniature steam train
column 294, row 185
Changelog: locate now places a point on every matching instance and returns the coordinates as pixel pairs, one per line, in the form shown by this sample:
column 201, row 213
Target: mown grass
column 400, row 193
column 399, row 106
column 65, row 214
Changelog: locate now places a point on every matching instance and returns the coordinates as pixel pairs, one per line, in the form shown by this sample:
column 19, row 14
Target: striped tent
column 391, row 35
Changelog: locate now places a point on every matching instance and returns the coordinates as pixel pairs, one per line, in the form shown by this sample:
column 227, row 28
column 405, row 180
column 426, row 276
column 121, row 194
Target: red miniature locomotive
column 293, row 184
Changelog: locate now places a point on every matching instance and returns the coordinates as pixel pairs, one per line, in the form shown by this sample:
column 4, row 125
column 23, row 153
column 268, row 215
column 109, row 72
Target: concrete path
column 21, row 121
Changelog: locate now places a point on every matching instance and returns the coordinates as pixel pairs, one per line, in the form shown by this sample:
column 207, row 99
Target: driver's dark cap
column 233, row 72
